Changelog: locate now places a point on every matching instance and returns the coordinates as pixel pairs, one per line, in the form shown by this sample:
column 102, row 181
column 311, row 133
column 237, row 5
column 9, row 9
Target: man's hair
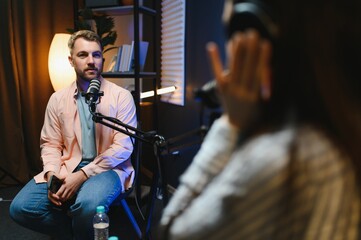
column 87, row 35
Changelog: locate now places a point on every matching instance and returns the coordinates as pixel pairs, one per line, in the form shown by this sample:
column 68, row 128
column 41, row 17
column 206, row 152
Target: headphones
column 252, row 14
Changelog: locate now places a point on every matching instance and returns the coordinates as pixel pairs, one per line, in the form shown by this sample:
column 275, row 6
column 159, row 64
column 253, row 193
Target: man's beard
column 85, row 77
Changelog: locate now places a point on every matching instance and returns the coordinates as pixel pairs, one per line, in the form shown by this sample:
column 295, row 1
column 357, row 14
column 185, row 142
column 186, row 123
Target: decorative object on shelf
column 127, row 2
column 60, row 71
column 104, row 25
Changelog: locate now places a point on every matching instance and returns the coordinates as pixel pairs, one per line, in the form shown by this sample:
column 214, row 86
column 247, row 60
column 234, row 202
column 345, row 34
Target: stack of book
column 124, row 60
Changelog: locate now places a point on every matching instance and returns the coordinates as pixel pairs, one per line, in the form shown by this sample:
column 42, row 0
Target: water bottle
column 101, row 224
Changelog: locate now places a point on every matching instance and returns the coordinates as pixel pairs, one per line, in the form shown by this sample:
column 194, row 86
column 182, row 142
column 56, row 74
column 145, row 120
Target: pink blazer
column 60, row 140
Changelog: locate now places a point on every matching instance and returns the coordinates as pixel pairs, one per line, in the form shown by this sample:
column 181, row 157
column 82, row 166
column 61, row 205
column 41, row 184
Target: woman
column 283, row 160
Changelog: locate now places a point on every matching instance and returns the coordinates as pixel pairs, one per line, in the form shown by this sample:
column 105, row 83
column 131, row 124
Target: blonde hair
column 87, row 35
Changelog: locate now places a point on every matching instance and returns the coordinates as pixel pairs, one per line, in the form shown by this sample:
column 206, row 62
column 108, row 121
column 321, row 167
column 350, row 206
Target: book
column 117, row 63
column 112, row 64
column 124, row 57
column 129, row 60
column 143, row 49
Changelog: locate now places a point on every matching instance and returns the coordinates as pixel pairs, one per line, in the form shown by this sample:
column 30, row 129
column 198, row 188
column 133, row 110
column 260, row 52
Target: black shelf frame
column 136, row 10
column 125, row 10
column 129, row 75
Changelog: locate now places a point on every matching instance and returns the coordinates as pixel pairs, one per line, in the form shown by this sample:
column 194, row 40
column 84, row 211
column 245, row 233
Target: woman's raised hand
column 247, row 80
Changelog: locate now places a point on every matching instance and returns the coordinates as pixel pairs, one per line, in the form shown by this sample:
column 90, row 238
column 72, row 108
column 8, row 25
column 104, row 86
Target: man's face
column 87, row 59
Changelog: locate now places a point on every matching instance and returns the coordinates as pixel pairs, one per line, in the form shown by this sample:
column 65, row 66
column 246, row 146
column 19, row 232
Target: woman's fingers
column 250, row 65
column 247, row 80
column 249, row 75
column 215, row 59
column 264, row 69
column 251, row 60
column 237, row 53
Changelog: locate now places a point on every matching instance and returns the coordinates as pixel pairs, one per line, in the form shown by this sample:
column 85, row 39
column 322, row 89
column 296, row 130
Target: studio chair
column 138, row 196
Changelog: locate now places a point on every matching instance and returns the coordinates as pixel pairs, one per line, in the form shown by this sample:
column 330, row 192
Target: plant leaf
column 103, row 23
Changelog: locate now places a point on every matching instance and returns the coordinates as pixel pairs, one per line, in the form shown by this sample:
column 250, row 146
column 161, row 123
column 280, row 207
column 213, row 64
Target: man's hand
column 247, row 81
column 53, row 197
column 68, row 189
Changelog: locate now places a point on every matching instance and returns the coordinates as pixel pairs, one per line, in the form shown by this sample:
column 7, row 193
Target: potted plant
column 103, row 27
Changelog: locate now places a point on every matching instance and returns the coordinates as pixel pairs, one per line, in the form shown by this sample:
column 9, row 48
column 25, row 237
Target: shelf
column 128, row 75
column 123, row 10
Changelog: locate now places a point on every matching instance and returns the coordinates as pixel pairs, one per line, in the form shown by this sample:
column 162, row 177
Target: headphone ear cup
column 252, row 14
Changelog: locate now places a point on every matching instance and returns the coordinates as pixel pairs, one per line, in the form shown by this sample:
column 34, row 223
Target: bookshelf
column 143, row 16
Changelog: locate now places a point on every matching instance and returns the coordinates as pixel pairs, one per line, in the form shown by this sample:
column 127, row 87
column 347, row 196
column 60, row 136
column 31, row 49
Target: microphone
column 93, row 93
column 208, row 94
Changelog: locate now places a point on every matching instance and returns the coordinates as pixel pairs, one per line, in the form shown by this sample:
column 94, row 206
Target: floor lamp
column 60, row 71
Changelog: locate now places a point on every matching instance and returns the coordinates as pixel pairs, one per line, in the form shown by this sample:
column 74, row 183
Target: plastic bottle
column 101, row 224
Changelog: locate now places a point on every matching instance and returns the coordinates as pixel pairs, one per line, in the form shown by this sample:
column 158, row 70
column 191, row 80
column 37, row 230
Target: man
column 92, row 160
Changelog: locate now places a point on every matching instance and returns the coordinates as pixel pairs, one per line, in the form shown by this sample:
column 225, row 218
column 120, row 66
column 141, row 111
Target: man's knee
column 15, row 210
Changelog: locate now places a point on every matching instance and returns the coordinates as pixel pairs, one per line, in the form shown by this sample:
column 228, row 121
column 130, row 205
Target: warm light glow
column 159, row 92
column 60, row 71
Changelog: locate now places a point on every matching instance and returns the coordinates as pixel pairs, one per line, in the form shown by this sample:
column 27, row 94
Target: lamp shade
column 60, row 71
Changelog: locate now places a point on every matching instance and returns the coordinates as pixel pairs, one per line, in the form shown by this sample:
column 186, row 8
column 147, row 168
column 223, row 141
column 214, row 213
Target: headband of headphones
column 252, row 14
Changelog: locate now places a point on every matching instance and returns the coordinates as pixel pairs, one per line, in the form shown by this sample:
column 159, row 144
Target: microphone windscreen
column 93, row 90
column 94, row 86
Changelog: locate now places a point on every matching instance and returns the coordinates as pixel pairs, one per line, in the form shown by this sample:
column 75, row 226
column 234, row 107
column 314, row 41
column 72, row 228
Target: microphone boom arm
column 151, row 137
column 143, row 136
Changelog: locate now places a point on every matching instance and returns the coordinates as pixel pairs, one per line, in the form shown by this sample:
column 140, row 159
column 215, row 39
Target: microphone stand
column 171, row 146
column 161, row 147
column 151, row 137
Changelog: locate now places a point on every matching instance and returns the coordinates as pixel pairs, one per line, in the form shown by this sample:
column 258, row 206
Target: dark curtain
column 27, row 28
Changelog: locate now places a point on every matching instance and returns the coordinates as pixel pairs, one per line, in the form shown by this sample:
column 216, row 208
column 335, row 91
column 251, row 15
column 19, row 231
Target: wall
column 203, row 24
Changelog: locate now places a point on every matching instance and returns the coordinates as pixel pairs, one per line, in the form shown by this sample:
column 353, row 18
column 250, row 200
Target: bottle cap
column 100, row 209
column 113, row 238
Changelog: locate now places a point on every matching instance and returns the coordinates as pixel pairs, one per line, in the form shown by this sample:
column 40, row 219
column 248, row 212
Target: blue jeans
column 32, row 209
